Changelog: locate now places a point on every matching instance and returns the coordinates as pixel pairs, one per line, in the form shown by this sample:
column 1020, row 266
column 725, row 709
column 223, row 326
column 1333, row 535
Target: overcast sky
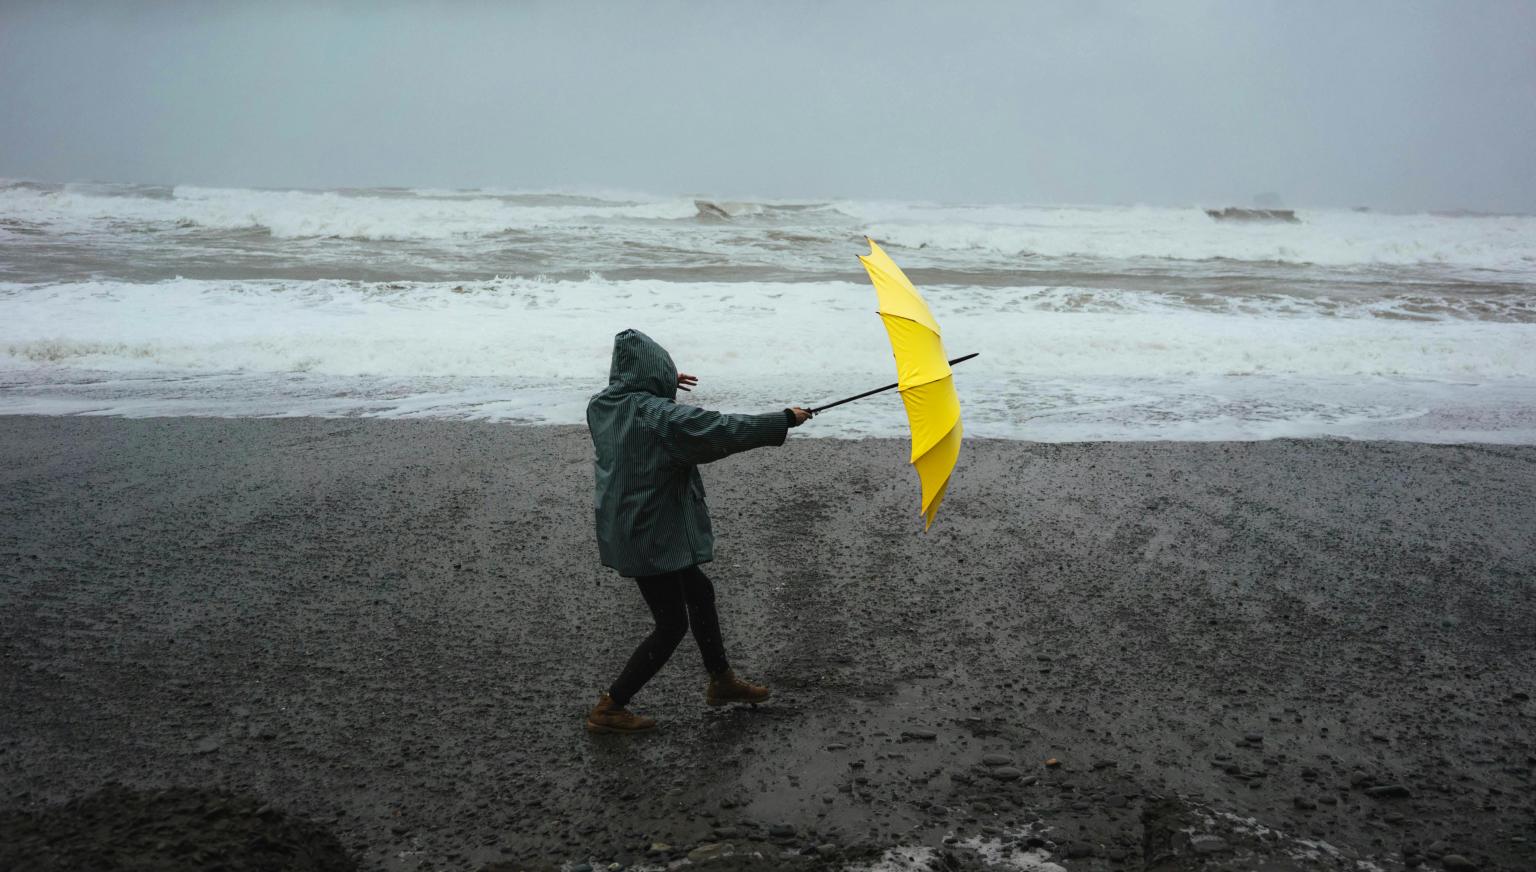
column 1389, row 104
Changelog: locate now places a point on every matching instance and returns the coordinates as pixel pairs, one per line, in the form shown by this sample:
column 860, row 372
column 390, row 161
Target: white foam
column 1327, row 237
column 998, row 854
column 562, row 329
column 300, row 214
column 1127, row 366
column 972, row 236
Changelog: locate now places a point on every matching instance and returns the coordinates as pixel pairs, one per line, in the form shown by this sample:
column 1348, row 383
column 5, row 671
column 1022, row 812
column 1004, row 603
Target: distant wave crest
column 321, row 214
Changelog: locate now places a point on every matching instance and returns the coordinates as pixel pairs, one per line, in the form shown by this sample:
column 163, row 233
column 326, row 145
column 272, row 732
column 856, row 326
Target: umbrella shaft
column 881, row 390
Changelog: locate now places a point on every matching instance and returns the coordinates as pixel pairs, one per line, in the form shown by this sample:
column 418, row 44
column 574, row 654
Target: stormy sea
column 1093, row 323
column 297, row 552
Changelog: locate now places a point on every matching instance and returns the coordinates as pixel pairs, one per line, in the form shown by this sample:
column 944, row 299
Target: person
column 652, row 522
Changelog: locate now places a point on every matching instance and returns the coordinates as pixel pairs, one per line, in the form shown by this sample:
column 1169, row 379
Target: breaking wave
column 558, row 329
column 1328, row 238
column 323, row 214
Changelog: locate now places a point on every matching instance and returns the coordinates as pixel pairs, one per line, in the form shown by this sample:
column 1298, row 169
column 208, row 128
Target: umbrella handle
column 881, row 390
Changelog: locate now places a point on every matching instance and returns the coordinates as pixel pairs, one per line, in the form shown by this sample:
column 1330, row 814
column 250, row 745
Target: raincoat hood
column 639, row 364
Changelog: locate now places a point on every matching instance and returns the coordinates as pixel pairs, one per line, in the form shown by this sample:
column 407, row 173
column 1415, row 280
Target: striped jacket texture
column 649, row 506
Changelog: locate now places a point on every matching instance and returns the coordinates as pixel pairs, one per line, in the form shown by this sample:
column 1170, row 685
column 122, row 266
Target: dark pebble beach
column 373, row 643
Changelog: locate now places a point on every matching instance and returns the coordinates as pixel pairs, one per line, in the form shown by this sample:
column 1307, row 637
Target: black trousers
column 677, row 600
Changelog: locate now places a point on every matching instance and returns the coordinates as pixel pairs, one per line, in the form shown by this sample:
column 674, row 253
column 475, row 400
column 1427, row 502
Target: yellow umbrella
column 923, row 376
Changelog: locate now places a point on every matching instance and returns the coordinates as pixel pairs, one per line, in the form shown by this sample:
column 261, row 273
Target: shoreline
column 396, row 625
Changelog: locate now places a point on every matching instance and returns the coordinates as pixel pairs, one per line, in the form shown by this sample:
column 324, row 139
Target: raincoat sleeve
column 694, row 435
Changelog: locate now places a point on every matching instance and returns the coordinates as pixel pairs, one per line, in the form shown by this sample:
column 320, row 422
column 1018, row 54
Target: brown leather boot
column 609, row 718
column 725, row 687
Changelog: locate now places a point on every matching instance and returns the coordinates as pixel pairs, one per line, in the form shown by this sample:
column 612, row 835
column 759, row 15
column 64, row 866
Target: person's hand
column 685, row 382
column 801, row 415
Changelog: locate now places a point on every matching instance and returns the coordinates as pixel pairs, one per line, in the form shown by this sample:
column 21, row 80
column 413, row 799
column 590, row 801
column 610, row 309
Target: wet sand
column 1299, row 653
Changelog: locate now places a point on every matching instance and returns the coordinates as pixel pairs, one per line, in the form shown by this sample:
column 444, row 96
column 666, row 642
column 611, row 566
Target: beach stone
column 1077, row 850
column 660, row 848
column 1304, row 803
column 826, row 849
column 996, row 759
column 207, row 745
column 837, row 746
column 1208, row 844
column 708, row 851
column 1387, row 791
column 781, row 831
column 919, row 734
column 1006, row 773
column 727, row 833
column 1457, row 863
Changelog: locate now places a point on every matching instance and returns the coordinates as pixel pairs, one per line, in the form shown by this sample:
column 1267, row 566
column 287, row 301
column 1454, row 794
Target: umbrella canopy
column 923, row 376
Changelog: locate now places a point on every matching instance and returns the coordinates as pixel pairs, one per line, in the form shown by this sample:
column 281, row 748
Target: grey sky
column 1390, row 104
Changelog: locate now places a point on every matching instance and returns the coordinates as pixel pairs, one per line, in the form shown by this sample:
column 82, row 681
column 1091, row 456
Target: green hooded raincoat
column 651, row 516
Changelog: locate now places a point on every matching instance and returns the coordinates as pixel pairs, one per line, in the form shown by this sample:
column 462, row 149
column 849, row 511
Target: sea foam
column 1135, row 366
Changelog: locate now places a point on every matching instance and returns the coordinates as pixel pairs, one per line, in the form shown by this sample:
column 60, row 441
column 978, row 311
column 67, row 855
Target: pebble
column 1304, row 803
column 837, row 746
column 707, row 851
column 1006, row 773
column 1075, row 850
column 1208, row 844
column 1052, row 762
column 660, row 848
column 919, row 734
column 997, row 759
column 781, row 831
column 1386, row 791
column 1457, row 863
column 207, row 745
